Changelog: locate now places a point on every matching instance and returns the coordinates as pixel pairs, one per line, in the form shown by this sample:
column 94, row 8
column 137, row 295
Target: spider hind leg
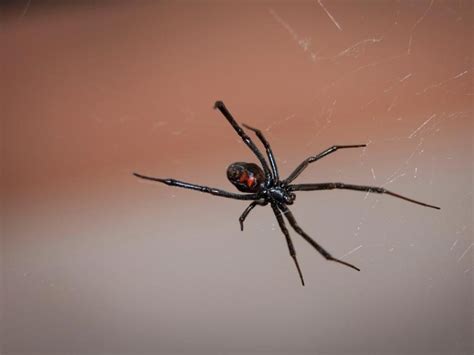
column 291, row 248
column 286, row 211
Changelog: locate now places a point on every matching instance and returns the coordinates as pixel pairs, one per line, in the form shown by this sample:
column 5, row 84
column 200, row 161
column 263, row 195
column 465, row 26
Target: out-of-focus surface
column 96, row 261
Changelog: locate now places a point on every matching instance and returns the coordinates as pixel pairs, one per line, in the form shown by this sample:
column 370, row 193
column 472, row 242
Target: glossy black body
column 240, row 173
column 262, row 185
column 246, row 177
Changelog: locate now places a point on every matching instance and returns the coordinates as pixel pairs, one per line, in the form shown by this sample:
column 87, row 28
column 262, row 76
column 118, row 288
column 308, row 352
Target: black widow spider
column 265, row 187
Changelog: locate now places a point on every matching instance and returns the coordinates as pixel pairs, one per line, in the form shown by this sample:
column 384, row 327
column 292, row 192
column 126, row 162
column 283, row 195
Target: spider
column 262, row 186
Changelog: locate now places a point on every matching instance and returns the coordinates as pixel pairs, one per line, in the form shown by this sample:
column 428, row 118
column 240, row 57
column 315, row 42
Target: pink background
column 95, row 261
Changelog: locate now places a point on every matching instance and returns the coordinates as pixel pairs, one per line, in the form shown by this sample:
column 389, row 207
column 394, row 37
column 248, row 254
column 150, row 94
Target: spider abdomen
column 246, row 177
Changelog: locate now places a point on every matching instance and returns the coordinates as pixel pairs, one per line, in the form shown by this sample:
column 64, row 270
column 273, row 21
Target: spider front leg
column 247, row 140
column 291, row 248
column 299, row 169
column 286, row 211
column 340, row 185
column 206, row 189
column 247, row 211
column 268, row 149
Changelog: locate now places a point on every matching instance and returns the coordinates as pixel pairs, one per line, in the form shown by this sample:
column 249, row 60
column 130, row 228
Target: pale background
column 95, row 261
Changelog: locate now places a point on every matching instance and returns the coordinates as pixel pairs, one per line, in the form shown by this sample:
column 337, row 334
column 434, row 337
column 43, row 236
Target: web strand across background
column 96, row 261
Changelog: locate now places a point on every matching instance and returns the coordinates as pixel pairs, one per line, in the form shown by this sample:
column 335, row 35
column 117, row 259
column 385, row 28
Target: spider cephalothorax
column 263, row 186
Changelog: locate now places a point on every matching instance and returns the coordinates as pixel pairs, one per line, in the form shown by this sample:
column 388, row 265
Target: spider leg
column 340, row 185
column 206, row 189
column 320, row 249
column 221, row 107
column 299, row 169
column 268, row 149
column 291, row 248
column 247, row 211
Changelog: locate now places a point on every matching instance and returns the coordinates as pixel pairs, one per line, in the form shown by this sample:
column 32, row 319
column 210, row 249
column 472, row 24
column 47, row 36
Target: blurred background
column 96, row 261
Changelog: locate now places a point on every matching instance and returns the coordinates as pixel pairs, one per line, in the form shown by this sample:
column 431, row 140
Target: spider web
column 377, row 86
column 412, row 135
column 99, row 260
